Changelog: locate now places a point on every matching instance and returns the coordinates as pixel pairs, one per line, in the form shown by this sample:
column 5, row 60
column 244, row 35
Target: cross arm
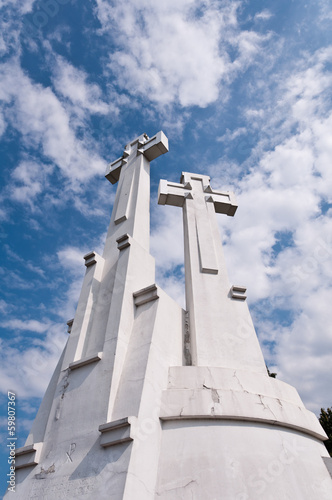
column 224, row 202
column 173, row 193
column 154, row 147
column 113, row 169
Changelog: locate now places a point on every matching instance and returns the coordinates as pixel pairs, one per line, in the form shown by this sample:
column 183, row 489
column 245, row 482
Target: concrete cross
column 131, row 209
column 207, row 286
column 200, row 202
column 122, row 169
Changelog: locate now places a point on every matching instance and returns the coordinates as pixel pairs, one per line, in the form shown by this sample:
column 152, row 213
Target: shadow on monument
column 107, row 465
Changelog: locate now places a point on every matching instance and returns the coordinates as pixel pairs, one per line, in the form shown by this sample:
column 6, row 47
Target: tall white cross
column 200, row 203
column 221, row 330
column 132, row 202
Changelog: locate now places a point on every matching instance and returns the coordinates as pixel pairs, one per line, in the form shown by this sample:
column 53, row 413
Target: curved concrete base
column 223, row 460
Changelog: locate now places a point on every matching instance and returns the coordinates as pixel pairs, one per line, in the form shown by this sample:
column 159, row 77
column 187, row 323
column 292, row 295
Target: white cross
column 207, row 286
column 123, row 169
column 199, row 202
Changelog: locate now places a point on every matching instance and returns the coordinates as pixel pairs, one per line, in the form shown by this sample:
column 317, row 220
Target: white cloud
column 3, row 214
column 167, row 236
column 263, row 15
column 178, row 52
column 4, row 307
column 30, row 325
column 88, row 210
column 248, row 44
column 173, row 285
column 72, row 84
column 33, row 366
column 229, row 135
column 44, row 124
column 304, row 350
column 29, row 180
column 325, row 12
column 167, row 247
column 24, row 6
column 71, row 259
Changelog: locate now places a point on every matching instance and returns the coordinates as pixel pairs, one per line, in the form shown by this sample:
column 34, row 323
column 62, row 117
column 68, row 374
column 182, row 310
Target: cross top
column 131, row 172
column 151, row 148
column 199, row 202
column 196, row 186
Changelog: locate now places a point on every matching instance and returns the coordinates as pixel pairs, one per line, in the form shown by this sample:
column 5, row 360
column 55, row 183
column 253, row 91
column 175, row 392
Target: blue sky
column 243, row 92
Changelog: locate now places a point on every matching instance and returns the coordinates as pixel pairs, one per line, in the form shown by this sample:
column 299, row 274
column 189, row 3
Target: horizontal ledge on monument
column 24, row 450
column 85, row 361
column 209, row 270
column 123, row 242
column 238, row 292
column 236, row 418
column 90, row 259
column 146, row 295
column 116, row 432
column 28, row 456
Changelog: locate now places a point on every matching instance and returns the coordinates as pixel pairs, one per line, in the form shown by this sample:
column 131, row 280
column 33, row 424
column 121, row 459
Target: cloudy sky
column 242, row 89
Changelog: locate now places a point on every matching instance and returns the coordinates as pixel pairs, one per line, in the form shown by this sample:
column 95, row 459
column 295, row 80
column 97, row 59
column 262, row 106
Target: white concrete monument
column 149, row 401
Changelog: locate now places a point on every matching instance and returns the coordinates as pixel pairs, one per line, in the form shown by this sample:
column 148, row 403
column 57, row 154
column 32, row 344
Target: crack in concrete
column 65, row 384
column 265, row 406
column 176, row 487
column 148, row 491
column 238, row 381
